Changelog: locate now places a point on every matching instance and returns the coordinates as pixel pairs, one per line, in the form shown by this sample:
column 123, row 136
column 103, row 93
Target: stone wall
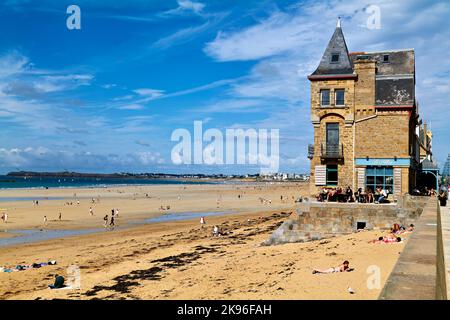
column 318, row 220
column 385, row 136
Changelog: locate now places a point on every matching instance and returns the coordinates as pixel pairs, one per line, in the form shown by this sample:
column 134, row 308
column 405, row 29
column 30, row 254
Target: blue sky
column 106, row 98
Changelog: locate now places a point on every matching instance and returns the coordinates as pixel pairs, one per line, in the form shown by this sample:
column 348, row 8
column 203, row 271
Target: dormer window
column 334, row 57
column 386, row 58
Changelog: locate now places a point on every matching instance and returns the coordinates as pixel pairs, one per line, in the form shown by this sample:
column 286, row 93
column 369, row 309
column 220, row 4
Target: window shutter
column 320, row 173
column 362, row 178
column 397, row 181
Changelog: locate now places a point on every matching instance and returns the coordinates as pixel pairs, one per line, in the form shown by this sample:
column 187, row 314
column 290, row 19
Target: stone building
column 365, row 116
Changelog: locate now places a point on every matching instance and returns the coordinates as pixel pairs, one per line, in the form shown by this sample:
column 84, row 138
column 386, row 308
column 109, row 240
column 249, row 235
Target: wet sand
column 181, row 260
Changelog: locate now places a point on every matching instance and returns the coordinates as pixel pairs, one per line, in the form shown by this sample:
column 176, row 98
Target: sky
column 107, row 97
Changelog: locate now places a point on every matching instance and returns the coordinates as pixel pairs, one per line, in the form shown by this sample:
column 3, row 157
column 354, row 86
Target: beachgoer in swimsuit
column 344, row 267
column 202, row 221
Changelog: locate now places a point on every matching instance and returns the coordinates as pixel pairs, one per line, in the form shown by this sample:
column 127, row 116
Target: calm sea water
column 7, row 182
column 34, row 235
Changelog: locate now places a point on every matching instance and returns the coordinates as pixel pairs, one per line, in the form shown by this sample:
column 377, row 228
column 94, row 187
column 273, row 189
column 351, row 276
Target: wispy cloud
column 186, row 6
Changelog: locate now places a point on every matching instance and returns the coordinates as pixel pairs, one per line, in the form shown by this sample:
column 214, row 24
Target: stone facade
column 376, row 122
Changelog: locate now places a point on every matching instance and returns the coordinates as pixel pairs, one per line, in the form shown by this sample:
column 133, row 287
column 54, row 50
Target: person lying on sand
column 387, row 239
column 344, row 267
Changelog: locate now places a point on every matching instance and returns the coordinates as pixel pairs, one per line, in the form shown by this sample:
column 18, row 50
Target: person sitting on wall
column 369, row 195
column 324, row 194
column 340, row 195
column 349, row 195
column 376, row 194
column 382, row 195
column 359, row 196
column 332, row 195
column 415, row 191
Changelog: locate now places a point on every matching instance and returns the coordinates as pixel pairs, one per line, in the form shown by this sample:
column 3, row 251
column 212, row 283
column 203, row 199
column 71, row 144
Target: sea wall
column 317, row 220
column 419, row 273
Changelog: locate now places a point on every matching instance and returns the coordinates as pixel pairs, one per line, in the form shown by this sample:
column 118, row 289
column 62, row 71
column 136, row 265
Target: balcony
column 332, row 151
column 310, row 151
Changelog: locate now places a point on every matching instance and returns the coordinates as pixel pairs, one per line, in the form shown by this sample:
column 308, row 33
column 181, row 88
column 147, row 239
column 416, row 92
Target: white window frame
column 329, row 98
column 335, row 98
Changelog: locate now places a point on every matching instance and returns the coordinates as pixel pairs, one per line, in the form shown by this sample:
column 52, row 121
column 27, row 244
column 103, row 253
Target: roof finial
column 338, row 22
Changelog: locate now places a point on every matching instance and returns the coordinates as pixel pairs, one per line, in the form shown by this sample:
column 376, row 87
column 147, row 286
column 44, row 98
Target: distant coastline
column 66, row 174
column 66, row 179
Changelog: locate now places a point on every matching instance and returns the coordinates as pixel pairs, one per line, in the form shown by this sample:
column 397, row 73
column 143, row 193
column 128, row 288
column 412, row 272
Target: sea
column 10, row 182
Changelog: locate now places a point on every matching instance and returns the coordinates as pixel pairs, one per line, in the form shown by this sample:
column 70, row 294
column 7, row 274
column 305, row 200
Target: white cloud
column 184, row 7
column 131, row 107
column 150, row 93
column 43, row 158
column 12, row 63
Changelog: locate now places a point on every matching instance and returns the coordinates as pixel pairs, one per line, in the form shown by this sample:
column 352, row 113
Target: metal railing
column 332, row 151
column 310, row 151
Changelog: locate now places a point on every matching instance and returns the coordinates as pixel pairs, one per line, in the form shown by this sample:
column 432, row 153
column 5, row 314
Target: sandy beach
column 179, row 259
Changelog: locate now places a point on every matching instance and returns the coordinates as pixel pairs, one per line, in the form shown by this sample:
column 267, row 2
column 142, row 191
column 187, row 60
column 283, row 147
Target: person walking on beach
column 117, row 212
column 5, row 217
column 45, row 220
column 91, row 212
column 105, row 221
column 202, row 221
column 112, row 224
column 60, row 216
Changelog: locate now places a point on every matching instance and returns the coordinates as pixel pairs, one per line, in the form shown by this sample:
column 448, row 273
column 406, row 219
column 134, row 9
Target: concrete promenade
column 445, row 223
column 420, row 273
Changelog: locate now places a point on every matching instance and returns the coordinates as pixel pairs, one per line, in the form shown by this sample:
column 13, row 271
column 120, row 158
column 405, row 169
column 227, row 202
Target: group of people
column 339, row 194
column 111, row 222
column 391, row 237
column 442, row 196
column 423, row 192
column 394, row 235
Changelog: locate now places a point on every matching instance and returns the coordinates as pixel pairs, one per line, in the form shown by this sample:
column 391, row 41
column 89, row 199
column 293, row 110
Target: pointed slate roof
column 338, row 46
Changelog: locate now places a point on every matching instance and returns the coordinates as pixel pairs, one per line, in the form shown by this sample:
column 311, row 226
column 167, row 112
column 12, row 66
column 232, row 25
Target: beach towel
column 20, row 267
